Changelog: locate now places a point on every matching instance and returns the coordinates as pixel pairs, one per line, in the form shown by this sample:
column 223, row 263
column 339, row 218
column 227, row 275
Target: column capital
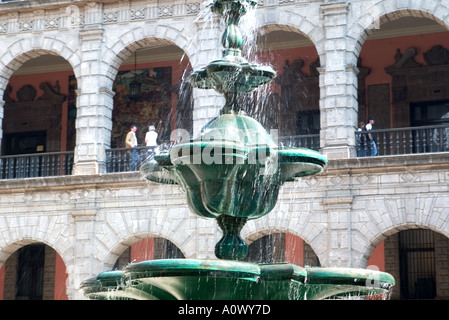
column 331, row 8
column 91, row 33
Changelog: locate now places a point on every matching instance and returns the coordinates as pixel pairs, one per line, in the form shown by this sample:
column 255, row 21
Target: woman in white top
column 151, row 139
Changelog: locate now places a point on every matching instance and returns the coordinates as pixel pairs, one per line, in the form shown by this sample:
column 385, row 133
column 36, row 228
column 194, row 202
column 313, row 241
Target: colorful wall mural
column 142, row 97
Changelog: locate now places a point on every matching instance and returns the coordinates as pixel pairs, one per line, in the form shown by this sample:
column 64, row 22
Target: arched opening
column 150, row 91
column 406, row 85
column 148, row 249
column 291, row 102
column 282, row 247
column 39, row 119
column 33, row 272
column 417, row 258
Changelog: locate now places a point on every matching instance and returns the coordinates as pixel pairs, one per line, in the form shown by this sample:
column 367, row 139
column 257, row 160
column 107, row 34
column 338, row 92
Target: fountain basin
column 232, row 74
column 232, row 172
column 234, row 168
column 194, row 279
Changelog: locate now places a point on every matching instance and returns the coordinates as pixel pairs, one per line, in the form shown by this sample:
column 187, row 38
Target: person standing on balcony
column 131, row 142
column 151, row 140
column 361, row 140
column 372, row 148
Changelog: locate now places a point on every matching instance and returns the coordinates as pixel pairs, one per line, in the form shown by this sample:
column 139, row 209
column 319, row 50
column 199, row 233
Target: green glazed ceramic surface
column 232, row 173
column 190, row 279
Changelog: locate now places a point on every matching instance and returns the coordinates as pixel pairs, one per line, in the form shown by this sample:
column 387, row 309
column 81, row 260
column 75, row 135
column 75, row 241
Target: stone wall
column 342, row 214
column 90, row 218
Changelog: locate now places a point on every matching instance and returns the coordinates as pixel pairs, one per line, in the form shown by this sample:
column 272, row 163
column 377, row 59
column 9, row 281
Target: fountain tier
column 233, row 173
column 190, row 279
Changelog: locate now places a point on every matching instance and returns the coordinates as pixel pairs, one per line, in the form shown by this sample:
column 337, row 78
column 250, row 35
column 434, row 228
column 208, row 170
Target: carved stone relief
column 414, row 82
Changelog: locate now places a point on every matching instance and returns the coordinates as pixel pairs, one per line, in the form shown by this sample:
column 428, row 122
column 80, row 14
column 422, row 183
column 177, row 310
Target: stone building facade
column 90, row 217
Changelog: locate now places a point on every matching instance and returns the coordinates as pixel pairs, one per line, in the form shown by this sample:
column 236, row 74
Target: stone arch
column 128, row 228
column 71, row 270
column 25, row 49
column 383, row 227
column 369, row 17
column 251, row 237
column 279, row 246
column 308, row 237
column 123, row 46
column 296, row 219
column 36, row 231
column 119, row 248
column 8, row 249
column 296, row 23
column 117, row 52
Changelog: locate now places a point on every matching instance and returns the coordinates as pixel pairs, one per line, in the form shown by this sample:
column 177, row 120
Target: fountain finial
column 232, row 75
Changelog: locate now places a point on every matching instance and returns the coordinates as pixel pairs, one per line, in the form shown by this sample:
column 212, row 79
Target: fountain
column 232, row 173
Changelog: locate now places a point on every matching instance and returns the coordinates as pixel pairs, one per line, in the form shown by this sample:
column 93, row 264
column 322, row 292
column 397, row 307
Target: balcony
column 127, row 159
column 400, row 141
column 36, row 165
column 397, row 141
column 309, row 141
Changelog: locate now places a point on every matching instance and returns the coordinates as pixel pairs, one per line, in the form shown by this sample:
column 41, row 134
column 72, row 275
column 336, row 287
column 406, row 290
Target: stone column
column 338, row 85
column 84, row 265
column 207, row 103
column 94, row 103
column 339, row 229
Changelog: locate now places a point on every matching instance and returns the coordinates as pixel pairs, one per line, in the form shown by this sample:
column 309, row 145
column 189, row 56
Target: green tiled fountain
column 232, row 172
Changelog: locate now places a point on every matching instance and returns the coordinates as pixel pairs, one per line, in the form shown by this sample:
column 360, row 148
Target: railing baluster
column 49, row 160
column 402, row 144
column 21, row 167
column 31, row 167
column 410, row 142
column 424, row 141
column 417, row 141
column 57, row 165
column 397, row 146
column 444, row 132
column 440, row 137
column 46, row 165
column 9, row 168
column 390, row 142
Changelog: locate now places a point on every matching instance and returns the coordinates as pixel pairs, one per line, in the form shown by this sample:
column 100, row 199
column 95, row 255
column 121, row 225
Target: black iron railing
column 388, row 142
column 309, row 141
column 127, row 159
column 36, row 165
column 130, row 159
column 399, row 141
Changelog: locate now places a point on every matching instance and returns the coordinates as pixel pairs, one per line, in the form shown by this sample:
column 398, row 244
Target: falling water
column 208, row 195
column 210, row 27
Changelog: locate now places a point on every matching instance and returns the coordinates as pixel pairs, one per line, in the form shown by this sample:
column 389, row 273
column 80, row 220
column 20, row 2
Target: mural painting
column 142, row 97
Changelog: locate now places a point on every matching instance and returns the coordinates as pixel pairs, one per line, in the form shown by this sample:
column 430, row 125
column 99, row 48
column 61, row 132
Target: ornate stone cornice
column 21, row 17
